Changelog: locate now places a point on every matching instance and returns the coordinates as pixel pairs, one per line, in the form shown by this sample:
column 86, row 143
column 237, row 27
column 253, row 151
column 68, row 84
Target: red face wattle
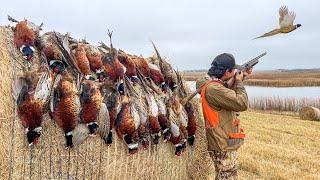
column 56, row 69
column 29, row 57
column 36, row 141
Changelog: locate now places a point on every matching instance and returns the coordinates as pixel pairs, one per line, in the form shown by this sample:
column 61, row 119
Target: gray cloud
column 189, row 33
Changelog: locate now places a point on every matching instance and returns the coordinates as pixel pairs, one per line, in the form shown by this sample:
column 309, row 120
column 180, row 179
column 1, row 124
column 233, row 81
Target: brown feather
column 142, row 65
column 192, row 119
column 94, row 57
column 163, row 121
column 23, row 35
column 90, row 105
column 66, row 112
column 82, row 60
column 175, row 140
column 156, row 76
column 184, row 132
column 49, row 47
column 129, row 64
column 113, row 68
column 154, row 124
column 30, row 113
column 127, row 125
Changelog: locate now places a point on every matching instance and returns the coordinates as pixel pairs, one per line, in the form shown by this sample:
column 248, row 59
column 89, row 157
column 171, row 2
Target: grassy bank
column 277, row 78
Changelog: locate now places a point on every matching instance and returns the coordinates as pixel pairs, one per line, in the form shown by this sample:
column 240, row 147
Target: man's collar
column 222, row 82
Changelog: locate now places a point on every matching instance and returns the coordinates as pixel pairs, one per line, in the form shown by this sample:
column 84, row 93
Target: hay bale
column 90, row 160
column 309, row 113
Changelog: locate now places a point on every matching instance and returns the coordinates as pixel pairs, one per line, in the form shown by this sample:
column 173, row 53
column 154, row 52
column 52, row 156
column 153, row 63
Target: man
column 220, row 104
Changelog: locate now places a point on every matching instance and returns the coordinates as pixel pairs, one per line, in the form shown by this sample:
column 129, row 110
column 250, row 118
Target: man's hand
column 239, row 76
column 247, row 72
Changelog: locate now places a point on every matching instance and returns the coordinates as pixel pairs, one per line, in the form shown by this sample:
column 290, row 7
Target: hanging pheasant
column 94, row 57
column 66, row 107
column 189, row 108
column 82, row 61
column 52, row 52
column 157, row 76
column 32, row 92
column 166, row 69
column 176, row 134
column 112, row 101
column 130, row 66
column 127, row 124
column 91, row 103
column 26, row 34
column 139, row 102
column 286, row 20
column 113, row 70
column 153, row 110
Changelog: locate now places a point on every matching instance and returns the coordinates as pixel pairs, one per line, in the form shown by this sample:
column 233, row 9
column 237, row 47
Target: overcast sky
column 189, row 33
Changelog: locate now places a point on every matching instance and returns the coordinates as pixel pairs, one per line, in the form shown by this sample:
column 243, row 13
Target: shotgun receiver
column 252, row 62
column 244, row 67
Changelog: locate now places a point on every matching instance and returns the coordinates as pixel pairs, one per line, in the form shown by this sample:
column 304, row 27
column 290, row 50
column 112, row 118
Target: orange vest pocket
column 237, row 135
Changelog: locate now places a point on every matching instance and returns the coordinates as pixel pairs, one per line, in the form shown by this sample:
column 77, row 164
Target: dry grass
column 6, row 110
column 279, row 147
column 273, row 78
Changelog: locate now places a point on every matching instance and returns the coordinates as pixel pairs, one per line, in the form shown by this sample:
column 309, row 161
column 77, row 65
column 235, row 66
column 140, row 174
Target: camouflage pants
column 225, row 163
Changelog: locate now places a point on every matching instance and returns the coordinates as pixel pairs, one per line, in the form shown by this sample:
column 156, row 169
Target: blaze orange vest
column 212, row 116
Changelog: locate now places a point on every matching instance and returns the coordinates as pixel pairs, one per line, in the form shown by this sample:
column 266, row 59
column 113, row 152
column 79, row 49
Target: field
column 279, row 147
column 276, row 78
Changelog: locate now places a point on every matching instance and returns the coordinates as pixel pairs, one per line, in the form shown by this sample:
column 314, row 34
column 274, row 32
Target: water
column 283, row 92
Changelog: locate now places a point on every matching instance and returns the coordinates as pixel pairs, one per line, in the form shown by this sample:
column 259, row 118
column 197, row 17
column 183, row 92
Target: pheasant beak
column 299, row 25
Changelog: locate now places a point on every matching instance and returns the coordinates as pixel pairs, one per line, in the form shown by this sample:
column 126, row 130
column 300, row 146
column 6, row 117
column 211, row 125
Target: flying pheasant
column 285, row 21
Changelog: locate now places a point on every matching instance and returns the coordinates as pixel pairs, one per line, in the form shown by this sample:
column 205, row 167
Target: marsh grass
column 277, row 103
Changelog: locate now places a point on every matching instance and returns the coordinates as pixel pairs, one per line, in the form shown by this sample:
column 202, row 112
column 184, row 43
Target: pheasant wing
column 286, row 18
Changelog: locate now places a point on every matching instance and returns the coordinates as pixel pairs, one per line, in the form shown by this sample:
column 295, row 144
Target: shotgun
column 244, row 67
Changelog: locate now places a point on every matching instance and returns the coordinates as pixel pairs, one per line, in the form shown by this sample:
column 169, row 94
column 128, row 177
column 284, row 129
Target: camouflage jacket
column 226, row 102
